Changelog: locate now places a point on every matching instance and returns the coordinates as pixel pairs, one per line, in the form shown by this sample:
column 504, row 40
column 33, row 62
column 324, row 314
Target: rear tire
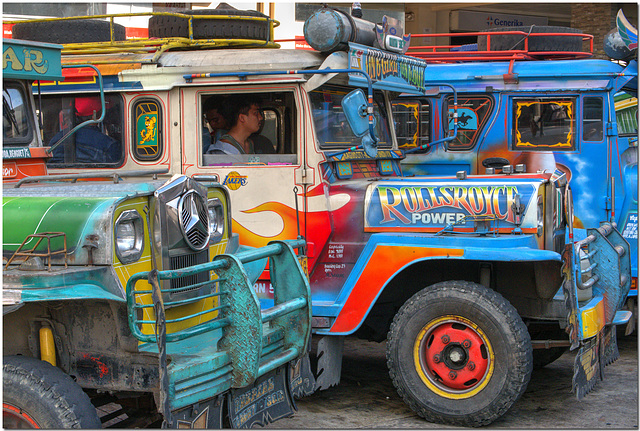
column 506, row 42
column 459, row 354
column 36, row 394
column 75, row 31
column 172, row 26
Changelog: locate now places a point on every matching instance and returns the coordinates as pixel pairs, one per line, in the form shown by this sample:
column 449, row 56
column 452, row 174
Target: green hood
column 84, row 212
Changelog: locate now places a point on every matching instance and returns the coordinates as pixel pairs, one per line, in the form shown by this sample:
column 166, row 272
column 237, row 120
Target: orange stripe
column 385, row 261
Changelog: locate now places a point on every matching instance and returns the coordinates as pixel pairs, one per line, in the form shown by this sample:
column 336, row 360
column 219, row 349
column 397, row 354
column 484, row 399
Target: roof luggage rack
column 158, row 45
column 532, row 43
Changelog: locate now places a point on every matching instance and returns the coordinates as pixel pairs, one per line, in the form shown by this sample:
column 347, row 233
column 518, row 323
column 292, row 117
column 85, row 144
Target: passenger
column 92, row 146
column 218, row 124
column 246, row 119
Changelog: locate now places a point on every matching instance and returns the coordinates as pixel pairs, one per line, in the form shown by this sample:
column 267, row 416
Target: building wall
column 595, row 19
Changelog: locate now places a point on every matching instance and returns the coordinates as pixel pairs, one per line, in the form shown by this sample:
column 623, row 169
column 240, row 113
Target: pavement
column 366, row 397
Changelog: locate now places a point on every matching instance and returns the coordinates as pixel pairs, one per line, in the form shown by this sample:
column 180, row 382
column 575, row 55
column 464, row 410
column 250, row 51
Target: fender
column 98, row 283
column 386, row 255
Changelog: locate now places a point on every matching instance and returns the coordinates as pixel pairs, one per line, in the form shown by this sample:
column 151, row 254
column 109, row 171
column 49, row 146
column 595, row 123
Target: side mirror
column 354, row 106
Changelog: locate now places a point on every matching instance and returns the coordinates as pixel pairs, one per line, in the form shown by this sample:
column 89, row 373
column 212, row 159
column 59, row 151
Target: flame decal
column 317, row 221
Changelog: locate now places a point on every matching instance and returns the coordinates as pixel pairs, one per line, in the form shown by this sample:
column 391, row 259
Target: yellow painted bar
column 593, row 319
column 47, row 346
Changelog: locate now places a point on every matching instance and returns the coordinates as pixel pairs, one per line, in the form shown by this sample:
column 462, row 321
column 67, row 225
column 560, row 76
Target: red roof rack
column 462, row 53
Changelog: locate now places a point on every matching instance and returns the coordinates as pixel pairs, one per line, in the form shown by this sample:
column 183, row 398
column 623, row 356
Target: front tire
column 36, row 394
column 459, row 354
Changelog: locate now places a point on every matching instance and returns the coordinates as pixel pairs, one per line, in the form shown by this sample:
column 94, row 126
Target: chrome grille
column 184, row 261
column 194, row 220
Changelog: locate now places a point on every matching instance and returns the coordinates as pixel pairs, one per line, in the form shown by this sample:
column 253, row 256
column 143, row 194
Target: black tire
column 75, row 31
column 505, row 42
column 172, row 26
column 37, row 394
column 492, row 363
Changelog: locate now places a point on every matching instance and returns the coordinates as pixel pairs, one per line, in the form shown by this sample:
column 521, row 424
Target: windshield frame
column 29, row 113
column 381, row 113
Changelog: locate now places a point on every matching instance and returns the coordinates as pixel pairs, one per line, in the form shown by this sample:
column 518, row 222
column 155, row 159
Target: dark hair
column 239, row 105
column 213, row 102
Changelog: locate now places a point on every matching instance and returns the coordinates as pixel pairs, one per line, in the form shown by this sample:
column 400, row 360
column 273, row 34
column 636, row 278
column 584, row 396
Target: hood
column 84, row 212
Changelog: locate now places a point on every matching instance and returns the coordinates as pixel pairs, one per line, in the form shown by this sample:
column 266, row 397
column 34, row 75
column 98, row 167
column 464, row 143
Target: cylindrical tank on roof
column 328, row 30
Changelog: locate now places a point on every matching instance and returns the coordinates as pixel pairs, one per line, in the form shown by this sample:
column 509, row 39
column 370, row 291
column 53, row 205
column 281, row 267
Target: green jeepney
column 128, row 294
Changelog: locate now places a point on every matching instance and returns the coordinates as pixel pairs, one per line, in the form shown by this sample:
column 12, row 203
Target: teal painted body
column 243, row 342
column 31, row 60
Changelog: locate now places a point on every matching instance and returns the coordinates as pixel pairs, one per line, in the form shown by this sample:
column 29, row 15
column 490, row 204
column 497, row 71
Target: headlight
column 216, row 219
column 540, row 216
column 129, row 235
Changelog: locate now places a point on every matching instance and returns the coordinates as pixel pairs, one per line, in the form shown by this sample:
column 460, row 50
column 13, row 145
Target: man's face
column 254, row 119
column 215, row 120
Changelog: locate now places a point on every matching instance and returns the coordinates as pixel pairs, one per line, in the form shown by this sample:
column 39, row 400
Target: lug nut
column 466, row 344
column 445, row 339
column 453, row 375
column 471, row 366
column 436, row 358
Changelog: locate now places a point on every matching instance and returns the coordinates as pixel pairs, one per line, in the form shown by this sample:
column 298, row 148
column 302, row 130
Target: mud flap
column 595, row 353
column 207, row 414
column 329, row 368
column 265, row 401
column 570, row 298
column 301, row 380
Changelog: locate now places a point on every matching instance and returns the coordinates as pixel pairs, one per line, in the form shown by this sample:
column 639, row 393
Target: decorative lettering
column 424, row 204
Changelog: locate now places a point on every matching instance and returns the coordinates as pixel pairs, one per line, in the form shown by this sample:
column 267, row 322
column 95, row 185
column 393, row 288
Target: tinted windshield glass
column 16, row 127
column 331, row 125
column 92, row 145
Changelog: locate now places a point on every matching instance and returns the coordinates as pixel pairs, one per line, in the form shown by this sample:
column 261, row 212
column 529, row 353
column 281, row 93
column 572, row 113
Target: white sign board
column 462, row 20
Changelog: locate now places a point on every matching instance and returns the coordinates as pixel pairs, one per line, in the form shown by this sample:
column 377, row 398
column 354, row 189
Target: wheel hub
column 14, row 417
column 455, row 356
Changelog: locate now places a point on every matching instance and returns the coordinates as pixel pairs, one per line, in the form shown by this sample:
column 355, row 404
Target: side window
column 97, row 145
column 147, row 131
column 267, row 120
column 592, row 119
column 473, row 112
column 543, row 123
column 16, row 123
column 412, row 121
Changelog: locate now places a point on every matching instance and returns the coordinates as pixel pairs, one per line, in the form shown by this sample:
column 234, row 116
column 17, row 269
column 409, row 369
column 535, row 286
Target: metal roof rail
column 116, row 176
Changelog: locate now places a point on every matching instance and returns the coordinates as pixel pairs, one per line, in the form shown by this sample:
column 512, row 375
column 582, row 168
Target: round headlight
column 126, row 236
column 216, row 219
column 129, row 236
column 540, row 228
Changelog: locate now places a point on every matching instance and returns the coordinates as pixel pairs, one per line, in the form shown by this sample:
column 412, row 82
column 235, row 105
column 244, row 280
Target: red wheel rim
column 16, row 418
column 454, row 355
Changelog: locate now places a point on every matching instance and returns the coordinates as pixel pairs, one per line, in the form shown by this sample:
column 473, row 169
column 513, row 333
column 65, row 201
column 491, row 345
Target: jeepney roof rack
column 488, row 50
column 157, row 46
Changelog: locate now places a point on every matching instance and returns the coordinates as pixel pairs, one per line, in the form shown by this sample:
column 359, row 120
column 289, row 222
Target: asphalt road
column 367, row 399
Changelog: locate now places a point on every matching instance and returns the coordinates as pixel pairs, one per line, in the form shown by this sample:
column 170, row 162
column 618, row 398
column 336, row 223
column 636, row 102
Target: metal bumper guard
column 592, row 325
column 228, row 344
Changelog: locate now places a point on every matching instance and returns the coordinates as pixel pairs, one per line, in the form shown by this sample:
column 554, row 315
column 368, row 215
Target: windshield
column 16, row 126
column 626, row 114
column 330, row 122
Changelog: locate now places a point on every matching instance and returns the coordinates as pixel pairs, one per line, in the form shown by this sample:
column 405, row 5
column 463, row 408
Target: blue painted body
column 592, row 164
